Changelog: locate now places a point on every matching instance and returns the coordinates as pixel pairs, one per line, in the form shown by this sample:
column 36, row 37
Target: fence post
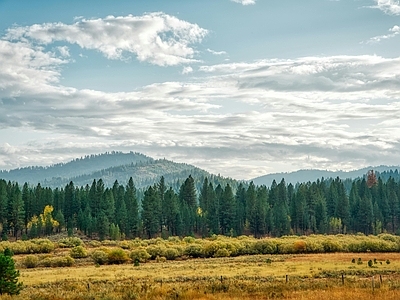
column 373, row 283
column 342, row 279
column 287, row 278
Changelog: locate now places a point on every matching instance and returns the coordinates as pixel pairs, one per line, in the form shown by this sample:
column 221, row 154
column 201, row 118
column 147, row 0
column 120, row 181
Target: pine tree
column 213, row 209
column 16, row 211
column 132, row 208
column 280, row 211
column 188, row 201
column 240, row 209
column 150, row 212
column 9, row 276
column 227, row 209
column 171, row 212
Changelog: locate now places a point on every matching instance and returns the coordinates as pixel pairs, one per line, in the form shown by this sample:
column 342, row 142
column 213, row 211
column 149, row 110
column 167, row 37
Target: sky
column 240, row 88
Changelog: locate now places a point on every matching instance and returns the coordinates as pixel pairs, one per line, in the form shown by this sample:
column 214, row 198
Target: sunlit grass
column 311, row 276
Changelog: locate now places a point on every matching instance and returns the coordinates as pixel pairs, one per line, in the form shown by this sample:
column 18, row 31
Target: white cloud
column 187, row 70
column 216, row 52
column 64, row 51
column 245, row 2
column 246, row 116
column 395, row 30
column 390, row 7
column 156, row 38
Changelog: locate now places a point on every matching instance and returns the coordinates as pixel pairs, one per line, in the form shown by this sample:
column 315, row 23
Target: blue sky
column 241, row 88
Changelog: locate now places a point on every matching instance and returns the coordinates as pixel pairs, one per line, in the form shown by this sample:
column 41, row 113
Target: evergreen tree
column 150, row 212
column 280, row 211
column 161, row 188
column 132, row 208
column 16, row 211
column 9, row 276
column 103, row 225
column 188, row 199
column 213, row 209
column 240, row 209
column 171, row 212
column 342, row 210
column 3, row 207
column 227, row 209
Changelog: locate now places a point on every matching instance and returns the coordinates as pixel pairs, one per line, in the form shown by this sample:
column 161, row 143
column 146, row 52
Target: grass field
column 310, row 276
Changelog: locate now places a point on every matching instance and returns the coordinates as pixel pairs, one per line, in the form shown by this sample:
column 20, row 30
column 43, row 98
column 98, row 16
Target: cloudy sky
column 237, row 87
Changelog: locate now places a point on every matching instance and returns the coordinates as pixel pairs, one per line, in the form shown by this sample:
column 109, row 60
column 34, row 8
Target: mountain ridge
column 311, row 175
column 145, row 171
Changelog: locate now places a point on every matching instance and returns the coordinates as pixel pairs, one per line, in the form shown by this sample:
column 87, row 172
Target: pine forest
column 368, row 205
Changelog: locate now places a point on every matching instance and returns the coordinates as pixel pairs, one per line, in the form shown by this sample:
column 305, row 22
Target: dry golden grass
column 311, row 276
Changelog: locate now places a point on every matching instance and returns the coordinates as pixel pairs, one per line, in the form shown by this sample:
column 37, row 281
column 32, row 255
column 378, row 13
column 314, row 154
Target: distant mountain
column 312, row 175
column 113, row 166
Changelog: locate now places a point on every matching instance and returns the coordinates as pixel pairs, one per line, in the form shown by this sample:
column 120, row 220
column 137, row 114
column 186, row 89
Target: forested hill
column 312, row 175
column 62, row 172
column 109, row 167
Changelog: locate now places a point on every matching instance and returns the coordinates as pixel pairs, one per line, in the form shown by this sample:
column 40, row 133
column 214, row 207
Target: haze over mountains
column 109, row 166
column 313, row 175
column 144, row 170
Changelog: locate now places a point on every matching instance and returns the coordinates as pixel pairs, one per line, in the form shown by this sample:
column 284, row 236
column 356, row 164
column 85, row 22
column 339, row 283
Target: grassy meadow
column 136, row 270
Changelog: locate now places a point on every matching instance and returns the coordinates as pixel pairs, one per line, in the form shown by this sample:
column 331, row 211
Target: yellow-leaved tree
column 44, row 224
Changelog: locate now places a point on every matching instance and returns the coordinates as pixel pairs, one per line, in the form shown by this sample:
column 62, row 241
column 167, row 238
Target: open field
column 310, row 276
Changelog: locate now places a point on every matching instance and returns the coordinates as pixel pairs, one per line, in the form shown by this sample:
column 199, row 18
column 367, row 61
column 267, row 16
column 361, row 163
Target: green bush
column 209, row 249
column 94, row 244
column 265, row 246
column 194, row 250
column 117, row 256
column 66, row 261
column 222, row 253
column 43, row 245
column 78, row 252
column 100, row 257
column 140, row 255
column 70, row 242
column 171, row 253
column 156, row 250
column 30, row 261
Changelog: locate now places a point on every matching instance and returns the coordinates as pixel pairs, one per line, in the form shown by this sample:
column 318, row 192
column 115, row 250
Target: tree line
column 371, row 206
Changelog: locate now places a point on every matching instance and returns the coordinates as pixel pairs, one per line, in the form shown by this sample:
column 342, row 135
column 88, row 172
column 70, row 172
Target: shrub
column 65, row 261
column 331, row 245
column 30, row 261
column 222, row 253
column 78, row 252
column 370, row 263
column 299, row 246
column 94, row 244
column 156, row 250
column 139, row 254
column 171, row 253
column 70, row 242
column 100, row 257
column 161, row 259
column 265, row 246
column 124, row 244
column 209, row 249
column 194, row 250
column 43, row 245
column 117, row 256
column 189, row 239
